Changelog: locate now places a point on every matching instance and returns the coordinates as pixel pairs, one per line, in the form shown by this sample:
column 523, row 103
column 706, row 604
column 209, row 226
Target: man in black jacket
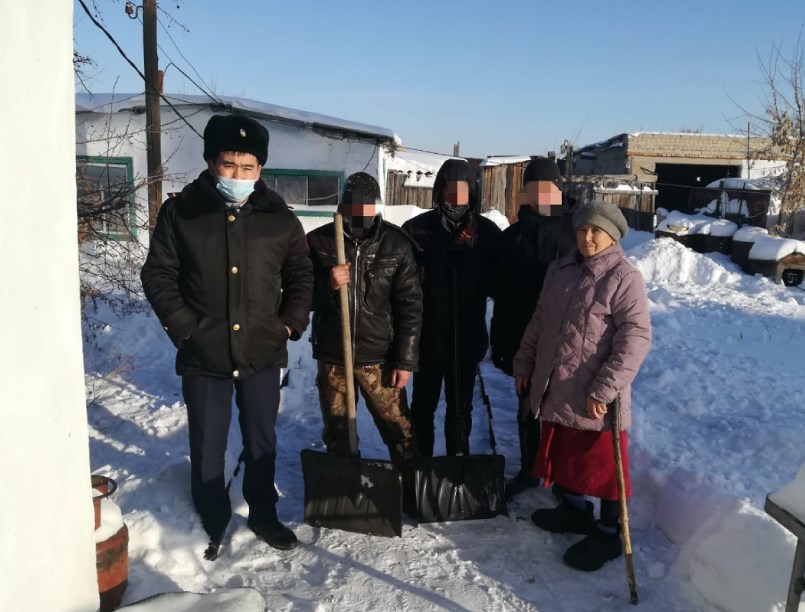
column 228, row 275
column 386, row 314
column 527, row 248
column 458, row 251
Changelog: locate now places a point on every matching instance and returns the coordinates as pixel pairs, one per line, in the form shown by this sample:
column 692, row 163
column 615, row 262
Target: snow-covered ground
column 718, row 424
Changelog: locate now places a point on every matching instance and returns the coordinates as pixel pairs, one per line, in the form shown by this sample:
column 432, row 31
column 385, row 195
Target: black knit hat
column 360, row 188
column 235, row 133
column 542, row 169
column 451, row 170
column 605, row 215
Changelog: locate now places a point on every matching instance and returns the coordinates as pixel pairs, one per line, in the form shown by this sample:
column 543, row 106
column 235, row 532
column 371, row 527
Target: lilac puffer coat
column 588, row 336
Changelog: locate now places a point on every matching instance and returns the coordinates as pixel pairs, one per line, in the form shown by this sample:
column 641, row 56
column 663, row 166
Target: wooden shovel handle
column 346, row 338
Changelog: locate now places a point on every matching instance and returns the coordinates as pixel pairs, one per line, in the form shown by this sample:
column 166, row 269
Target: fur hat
column 235, row 133
column 605, row 215
column 542, row 169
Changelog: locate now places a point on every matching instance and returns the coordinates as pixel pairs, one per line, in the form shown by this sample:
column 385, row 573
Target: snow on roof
column 685, row 225
column 792, row 496
column 750, row 233
column 420, row 166
column 115, row 102
column 500, row 160
column 755, row 184
column 772, row 248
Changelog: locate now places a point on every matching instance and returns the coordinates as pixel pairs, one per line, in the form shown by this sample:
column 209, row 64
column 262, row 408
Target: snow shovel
column 347, row 492
column 460, row 487
column 627, row 540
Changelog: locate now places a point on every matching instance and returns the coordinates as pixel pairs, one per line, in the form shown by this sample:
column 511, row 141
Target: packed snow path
column 718, row 424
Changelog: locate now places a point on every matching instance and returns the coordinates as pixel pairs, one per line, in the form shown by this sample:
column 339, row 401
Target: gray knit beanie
column 605, row 215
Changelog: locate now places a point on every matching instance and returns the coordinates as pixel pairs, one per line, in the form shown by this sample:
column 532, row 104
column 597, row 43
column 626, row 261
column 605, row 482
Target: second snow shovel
column 460, row 487
column 350, row 493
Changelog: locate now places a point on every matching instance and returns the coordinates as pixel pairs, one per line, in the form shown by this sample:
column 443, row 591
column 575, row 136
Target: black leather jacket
column 384, row 294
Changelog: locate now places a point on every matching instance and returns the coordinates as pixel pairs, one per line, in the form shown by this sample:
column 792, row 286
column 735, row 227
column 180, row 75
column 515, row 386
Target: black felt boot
column 592, row 552
column 273, row 532
column 566, row 518
column 522, row 481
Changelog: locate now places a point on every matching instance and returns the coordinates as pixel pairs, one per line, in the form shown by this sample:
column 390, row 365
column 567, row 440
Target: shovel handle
column 346, row 338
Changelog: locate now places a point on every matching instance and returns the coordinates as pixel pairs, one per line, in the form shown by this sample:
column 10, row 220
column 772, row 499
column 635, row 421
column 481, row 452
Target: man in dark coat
column 539, row 236
column 228, row 275
column 457, row 258
column 385, row 300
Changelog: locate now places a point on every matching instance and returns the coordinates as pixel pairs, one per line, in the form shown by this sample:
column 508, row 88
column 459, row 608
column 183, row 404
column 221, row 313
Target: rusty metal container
column 112, row 565
column 111, row 554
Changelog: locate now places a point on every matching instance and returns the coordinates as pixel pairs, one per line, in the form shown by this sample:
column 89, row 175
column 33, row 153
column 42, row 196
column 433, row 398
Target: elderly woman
column 582, row 348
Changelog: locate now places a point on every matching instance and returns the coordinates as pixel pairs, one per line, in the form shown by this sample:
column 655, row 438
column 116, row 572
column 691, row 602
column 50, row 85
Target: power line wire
column 133, row 65
column 193, row 68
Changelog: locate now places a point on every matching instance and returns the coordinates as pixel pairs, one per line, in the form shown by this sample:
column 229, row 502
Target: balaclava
column 360, row 204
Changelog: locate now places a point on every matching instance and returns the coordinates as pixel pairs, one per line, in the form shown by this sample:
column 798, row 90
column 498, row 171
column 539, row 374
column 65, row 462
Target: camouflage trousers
column 387, row 405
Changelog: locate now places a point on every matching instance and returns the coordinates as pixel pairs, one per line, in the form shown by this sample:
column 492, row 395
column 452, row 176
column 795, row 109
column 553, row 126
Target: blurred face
column 592, row 240
column 235, row 165
column 365, row 209
column 543, row 196
column 456, row 193
column 360, row 213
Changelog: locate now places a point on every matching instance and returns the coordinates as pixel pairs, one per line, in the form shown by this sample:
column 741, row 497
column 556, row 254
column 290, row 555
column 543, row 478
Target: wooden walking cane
column 627, row 540
column 346, row 338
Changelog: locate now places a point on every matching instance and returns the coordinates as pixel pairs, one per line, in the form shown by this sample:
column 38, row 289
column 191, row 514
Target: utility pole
column 153, row 122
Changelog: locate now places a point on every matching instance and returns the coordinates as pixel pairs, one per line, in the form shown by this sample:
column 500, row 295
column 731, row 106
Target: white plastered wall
column 121, row 134
column 47, row 549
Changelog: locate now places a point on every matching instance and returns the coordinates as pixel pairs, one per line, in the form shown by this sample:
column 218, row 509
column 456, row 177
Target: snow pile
column 667, row 262
column 498, row 218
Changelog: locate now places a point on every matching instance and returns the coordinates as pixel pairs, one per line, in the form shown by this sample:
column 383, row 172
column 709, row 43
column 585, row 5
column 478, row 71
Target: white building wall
column 121, row 134
column 47, row 548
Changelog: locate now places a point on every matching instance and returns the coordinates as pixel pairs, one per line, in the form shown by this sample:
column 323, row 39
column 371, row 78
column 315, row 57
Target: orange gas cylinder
column 112, row 553
column 112, row 563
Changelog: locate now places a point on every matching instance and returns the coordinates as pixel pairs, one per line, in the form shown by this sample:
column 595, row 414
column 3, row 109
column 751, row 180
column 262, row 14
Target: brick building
column 676, row 162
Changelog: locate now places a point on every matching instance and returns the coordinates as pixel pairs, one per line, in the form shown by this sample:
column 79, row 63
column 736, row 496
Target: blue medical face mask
column 234, row 190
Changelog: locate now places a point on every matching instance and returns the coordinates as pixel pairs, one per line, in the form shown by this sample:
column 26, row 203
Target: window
column 105, row 189
column 305, row 187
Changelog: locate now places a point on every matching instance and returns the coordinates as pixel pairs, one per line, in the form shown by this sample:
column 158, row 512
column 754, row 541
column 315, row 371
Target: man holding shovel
column 385, row 301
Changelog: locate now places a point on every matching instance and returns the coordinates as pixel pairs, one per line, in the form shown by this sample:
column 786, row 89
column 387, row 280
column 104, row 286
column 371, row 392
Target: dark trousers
column 209, row 410
column 528, row 430
column 458, row 417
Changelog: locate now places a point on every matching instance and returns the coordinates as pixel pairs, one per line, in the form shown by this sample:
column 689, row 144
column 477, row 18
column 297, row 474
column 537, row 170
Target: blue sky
column 512, row 77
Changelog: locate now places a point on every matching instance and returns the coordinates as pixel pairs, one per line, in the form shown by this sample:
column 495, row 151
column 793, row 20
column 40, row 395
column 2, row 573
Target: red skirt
column 581, row 461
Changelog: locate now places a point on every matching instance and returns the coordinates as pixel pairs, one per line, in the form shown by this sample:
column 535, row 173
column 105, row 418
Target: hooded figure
column 457, row 259
column 540, row 235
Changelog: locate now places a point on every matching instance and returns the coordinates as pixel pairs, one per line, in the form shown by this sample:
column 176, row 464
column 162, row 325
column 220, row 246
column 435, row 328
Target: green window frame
column 305, row 187
column 107, row 183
